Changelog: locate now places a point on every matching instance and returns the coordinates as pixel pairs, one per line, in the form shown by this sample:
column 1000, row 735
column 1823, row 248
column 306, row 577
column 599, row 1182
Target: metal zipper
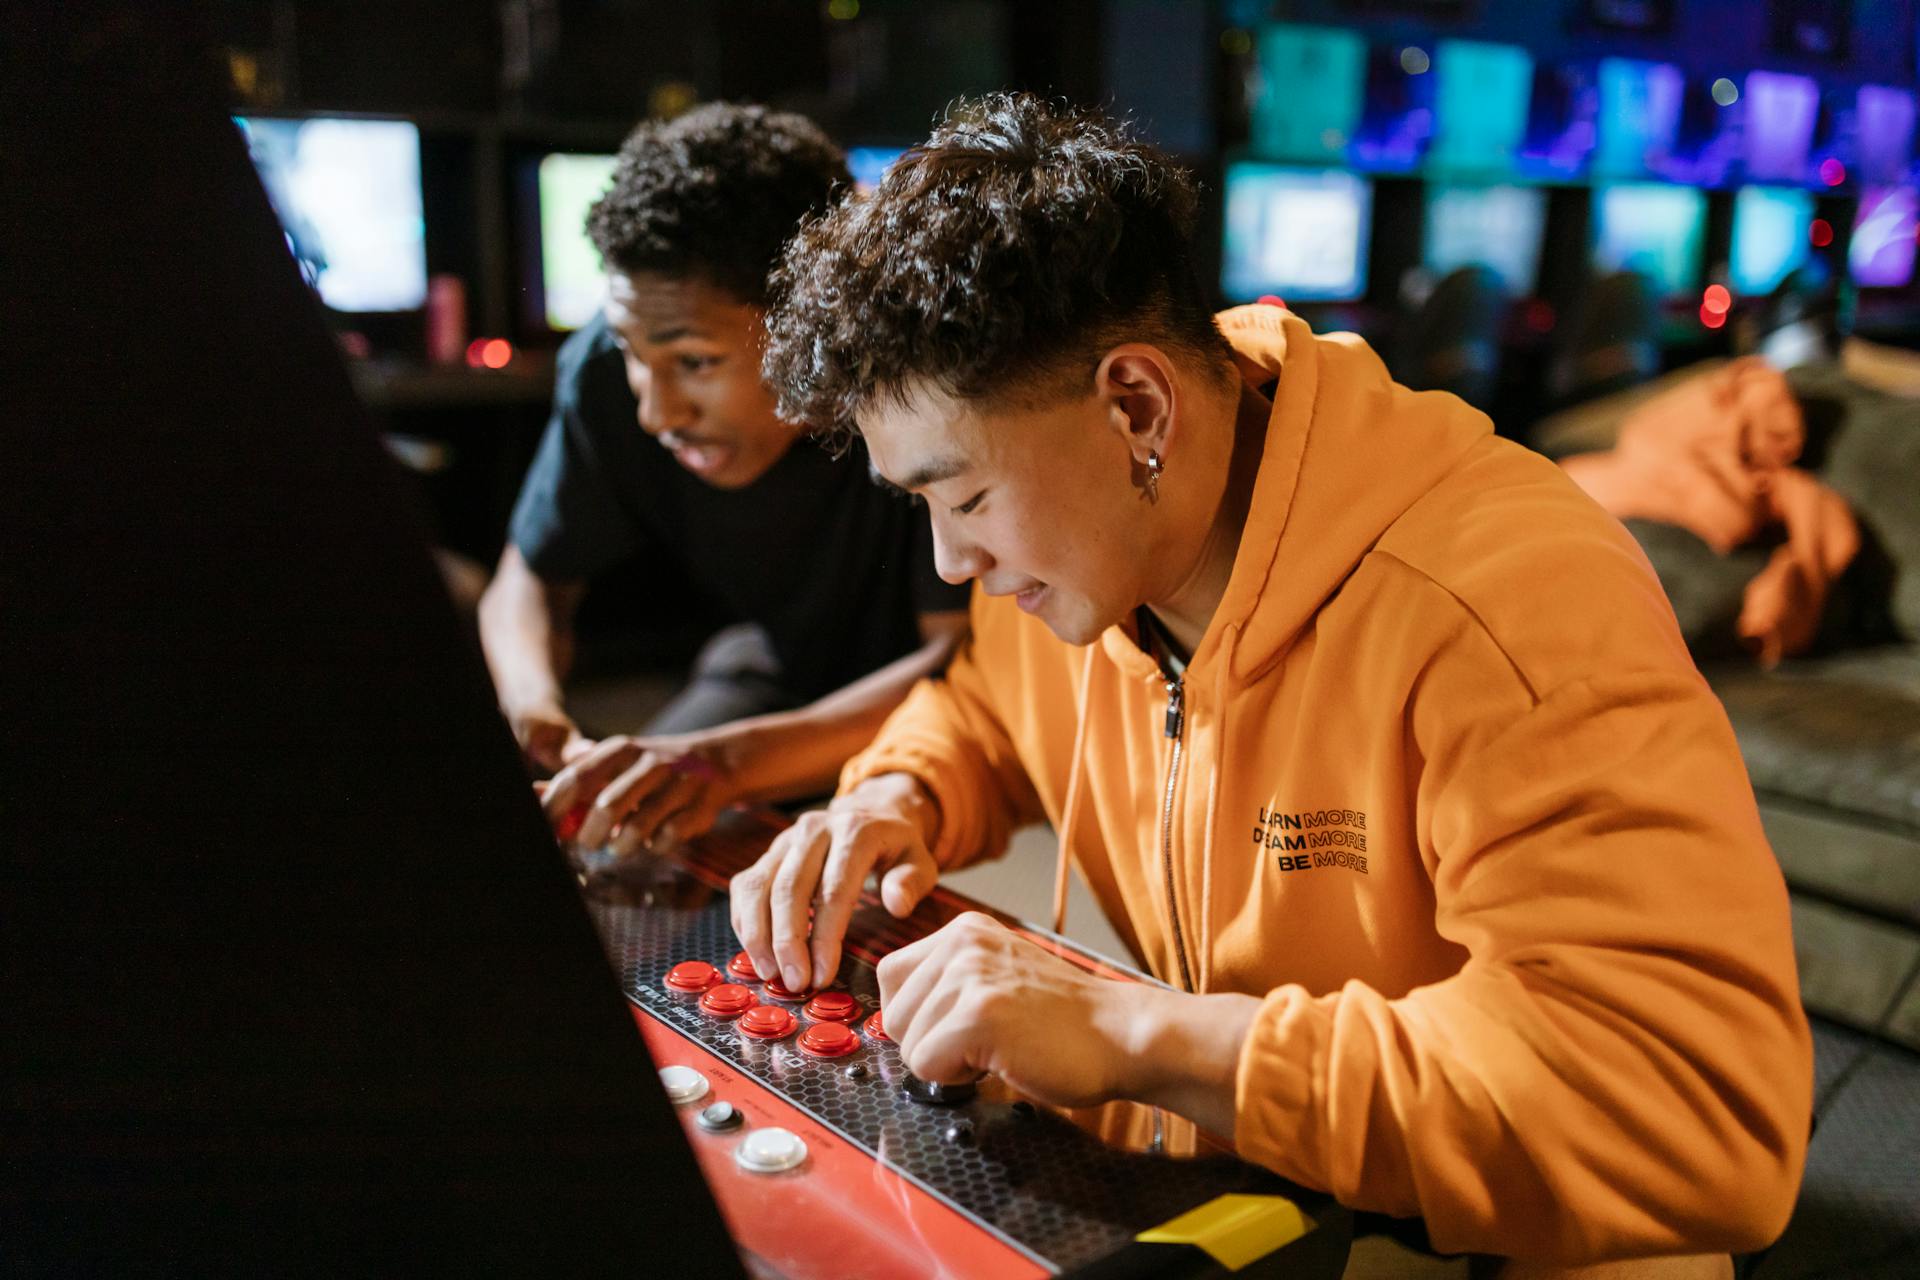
column 1176, row 720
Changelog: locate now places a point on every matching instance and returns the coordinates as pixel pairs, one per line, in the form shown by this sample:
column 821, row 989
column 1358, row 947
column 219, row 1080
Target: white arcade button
column 770, row 1151
column 683, row 1084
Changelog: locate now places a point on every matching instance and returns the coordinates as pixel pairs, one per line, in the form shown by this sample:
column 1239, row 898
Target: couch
column 1831, row 739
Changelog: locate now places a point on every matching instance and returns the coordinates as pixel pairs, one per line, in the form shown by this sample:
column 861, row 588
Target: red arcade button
column 728, row 1000
column 693, row 976
column 767, row 1022
column 833, row 1006
column 779, row 990
column 741, row 968
column 874, row 1029
column 828, row 1040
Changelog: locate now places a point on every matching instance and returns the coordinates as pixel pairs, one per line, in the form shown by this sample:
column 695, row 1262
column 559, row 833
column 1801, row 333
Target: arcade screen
column 1480, row 104
column 1780, row 114
column 347, row 193
column 1498, row 227
column 870, row 164
column 570, row 274
column 1884, row 120
column 1881, row 254
column 1770, row 229
column 1639, row 113
column 1396, row 111
column 1312, row 81
column 1297, row 233
column 1653, row 229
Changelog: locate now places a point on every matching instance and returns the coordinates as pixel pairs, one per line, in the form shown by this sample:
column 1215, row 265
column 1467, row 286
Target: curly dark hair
column 714, row 194
column 1000, row 258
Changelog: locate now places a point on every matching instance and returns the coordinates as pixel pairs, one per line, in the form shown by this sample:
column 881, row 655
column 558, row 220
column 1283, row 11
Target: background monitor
column 1312, row 80
column 1780, row 112
column 1770, row 230
column 571, row 276
column 1298, row 233
column 347, row 193
column 1881, row 254
column 1498, row 227
column 1883, row 127
column 870, row 164
column 1480, row 105
column 1653, row 229
column 1396, row 111
column 1639, row 114
column 1562, row 121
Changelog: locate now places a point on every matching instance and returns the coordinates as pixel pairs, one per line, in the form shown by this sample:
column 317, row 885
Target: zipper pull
column 1174, row 716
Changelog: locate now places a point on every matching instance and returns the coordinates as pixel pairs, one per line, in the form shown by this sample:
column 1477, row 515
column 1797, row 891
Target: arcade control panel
column 828, row 1158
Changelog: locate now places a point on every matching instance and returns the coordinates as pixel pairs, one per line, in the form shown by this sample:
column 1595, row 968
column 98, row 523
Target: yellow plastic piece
column 1235, row 1229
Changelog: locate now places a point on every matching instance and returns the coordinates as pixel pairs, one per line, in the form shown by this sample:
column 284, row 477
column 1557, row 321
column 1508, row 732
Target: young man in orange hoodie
column 1374, row 737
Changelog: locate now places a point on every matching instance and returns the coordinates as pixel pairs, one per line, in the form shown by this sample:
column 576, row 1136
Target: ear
column 1141, row 390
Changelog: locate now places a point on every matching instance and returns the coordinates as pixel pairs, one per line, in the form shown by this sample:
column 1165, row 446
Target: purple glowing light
column 1779, row 125
column 1884, row 120
column 1881, row 255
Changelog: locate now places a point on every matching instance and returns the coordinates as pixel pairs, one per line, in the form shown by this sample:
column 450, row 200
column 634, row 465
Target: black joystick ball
column 938, row 1095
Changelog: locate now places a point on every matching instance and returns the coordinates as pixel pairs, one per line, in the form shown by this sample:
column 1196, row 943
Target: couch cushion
column 1855, row 969
column 1841, row 733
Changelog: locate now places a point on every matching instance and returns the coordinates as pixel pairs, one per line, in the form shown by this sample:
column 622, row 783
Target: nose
column 662, row 406
column 957, row 559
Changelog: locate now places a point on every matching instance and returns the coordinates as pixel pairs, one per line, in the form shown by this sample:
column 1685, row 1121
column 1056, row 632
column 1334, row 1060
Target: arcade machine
column 820, row 1146
column 1881, row 258
column 295, row 977
column 569, row 285
column 1298, row 234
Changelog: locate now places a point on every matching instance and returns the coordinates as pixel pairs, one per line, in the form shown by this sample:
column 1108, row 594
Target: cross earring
column 1152, row 485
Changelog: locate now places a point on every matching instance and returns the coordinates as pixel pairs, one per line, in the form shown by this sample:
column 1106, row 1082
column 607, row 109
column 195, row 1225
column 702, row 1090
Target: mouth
column 1030, row 599
column 702, row 457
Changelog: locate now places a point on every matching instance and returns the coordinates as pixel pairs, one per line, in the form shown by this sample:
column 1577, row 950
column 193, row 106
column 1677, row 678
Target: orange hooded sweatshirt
column 1446, row 791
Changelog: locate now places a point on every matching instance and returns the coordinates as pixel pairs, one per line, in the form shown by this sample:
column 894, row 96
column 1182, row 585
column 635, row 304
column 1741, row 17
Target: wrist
column 901, row 795
column 1182, row 1052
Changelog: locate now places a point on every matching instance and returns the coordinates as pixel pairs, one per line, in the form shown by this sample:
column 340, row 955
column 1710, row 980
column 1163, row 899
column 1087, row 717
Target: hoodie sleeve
column 949, row 735
column 1622, row 1066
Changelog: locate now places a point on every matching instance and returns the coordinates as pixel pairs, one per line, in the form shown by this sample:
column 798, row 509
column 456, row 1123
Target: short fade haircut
column 713, row 194
column 998, row 260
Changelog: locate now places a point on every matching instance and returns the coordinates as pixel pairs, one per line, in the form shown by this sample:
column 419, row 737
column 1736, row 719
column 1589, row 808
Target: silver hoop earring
column 1154, row 467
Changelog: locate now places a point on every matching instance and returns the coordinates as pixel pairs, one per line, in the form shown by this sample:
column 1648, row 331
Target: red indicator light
column 1710, row 318
column 1716, row 299
column 1821, row 233
column 1832, row 172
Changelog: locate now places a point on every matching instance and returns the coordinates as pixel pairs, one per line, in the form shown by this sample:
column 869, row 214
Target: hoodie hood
column 1323, row 497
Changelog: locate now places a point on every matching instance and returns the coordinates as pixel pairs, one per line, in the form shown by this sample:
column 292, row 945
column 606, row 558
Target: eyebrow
column 668, row 335
column 931, row 473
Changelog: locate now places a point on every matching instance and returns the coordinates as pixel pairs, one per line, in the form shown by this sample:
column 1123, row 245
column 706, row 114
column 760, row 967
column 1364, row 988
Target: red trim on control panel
column 841, row 1213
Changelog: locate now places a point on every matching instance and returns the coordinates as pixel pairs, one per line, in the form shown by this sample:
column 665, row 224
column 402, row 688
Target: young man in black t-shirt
column 664, row 443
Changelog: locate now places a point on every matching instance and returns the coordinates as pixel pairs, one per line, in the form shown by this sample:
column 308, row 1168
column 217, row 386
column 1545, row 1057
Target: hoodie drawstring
column 1221, row 675
column 1070, row 811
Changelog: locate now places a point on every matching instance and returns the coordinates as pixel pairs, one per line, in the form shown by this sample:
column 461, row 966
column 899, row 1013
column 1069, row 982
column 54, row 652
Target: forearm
column 526, row 633
column 793, row 754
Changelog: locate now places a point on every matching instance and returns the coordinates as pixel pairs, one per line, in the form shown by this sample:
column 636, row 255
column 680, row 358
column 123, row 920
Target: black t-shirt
column 834, row 567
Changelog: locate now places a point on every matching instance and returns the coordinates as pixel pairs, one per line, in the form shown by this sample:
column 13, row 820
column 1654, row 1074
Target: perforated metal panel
column 1045, row 1185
